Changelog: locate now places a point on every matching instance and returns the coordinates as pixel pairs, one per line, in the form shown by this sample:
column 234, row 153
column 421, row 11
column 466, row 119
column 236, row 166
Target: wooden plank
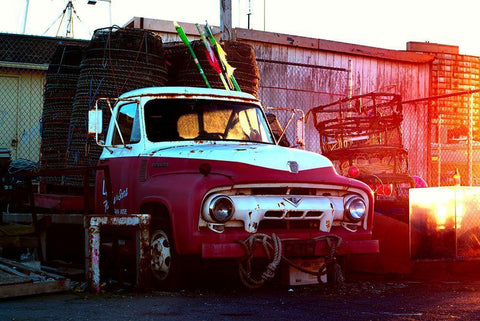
column 374, row 52
column 17, row 279
column 321, row 58
column 9, row 278
column 343, row 61
column 395, row 78
column 329, row 59
column 291, row 55
column 11, row 270
column 276, row 38
column 263, row 51
column 365, row 74
column 23, row 289
column 331, row 46
column 432, row 47
column 387, row 84
column 357, row 76
column 371, row 79
column 380, row 76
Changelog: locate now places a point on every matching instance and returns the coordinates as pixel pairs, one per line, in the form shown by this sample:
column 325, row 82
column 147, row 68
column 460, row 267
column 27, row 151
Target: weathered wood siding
column 302, row 73
column 305, row 78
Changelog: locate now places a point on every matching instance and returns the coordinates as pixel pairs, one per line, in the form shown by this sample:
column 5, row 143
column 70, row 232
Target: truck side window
column 128, row 123
column 161, row 122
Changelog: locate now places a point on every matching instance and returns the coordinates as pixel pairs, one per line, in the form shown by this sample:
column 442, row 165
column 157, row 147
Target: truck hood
column 261, row 155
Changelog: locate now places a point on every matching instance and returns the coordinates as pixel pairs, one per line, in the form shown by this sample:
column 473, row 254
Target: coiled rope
column 272, row 246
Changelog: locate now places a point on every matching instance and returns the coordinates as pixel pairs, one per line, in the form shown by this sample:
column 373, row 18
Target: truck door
column 122, row 157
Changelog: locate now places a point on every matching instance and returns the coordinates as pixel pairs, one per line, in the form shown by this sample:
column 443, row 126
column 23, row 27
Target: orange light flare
column 459, row 210
column 441, row 217
column 441, row 207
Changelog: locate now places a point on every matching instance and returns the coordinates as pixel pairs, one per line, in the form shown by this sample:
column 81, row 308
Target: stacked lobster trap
column 362, row 136
column 117, row 60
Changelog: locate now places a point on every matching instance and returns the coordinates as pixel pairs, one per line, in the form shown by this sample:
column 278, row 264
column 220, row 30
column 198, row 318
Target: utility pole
column 249, row 13
column 226, row 19
column 26, row 15
column 94, row 2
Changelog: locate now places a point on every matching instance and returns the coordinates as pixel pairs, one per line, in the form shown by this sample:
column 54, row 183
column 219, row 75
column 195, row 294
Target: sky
column 386, row 24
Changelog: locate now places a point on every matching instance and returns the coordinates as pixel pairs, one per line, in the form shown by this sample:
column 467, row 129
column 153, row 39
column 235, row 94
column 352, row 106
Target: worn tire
column 165, row 263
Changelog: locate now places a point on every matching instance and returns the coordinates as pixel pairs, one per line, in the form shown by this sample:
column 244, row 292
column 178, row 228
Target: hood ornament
column 293, row 200
column 293, row 166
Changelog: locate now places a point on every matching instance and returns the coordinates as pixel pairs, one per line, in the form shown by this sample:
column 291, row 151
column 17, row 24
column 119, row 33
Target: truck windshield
column 190, row 119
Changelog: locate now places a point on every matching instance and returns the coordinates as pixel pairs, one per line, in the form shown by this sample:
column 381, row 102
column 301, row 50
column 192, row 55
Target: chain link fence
column 441, row 134
column 293, row 89
column 21, row 93
column 23, row 65
column 455, row 153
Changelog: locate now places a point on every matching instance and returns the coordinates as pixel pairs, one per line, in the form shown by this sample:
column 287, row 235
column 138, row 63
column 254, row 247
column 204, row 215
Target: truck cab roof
column 190, row 92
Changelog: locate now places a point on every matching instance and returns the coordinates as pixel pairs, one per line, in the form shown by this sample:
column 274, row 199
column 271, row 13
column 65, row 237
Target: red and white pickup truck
column 204, row 163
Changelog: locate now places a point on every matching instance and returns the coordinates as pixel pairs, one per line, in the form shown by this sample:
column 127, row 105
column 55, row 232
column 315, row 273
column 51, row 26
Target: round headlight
column 221, row 208
column 355, row 209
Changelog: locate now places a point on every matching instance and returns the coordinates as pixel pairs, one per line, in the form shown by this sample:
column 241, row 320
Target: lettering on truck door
column 123, row 160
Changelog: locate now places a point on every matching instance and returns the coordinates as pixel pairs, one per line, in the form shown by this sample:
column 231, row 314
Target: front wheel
column 165, row 263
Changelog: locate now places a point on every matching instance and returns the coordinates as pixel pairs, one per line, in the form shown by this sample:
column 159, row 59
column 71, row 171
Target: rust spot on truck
column 194, row 96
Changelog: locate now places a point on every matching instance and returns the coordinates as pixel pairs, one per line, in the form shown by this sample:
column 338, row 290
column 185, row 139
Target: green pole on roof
column 184, row 38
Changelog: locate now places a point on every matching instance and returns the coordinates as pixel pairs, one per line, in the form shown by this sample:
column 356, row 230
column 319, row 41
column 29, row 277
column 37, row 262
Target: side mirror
column 95, row 122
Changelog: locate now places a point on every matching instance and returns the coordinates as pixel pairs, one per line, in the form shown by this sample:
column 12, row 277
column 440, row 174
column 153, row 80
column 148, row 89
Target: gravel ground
column 381, row 299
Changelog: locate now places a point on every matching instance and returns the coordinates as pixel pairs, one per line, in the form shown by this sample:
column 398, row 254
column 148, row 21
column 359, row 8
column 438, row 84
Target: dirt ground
column 360, row 300
column 435, row 292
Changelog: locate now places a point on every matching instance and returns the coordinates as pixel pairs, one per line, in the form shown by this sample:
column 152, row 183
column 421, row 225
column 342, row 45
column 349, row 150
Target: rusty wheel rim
column 161, row 255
